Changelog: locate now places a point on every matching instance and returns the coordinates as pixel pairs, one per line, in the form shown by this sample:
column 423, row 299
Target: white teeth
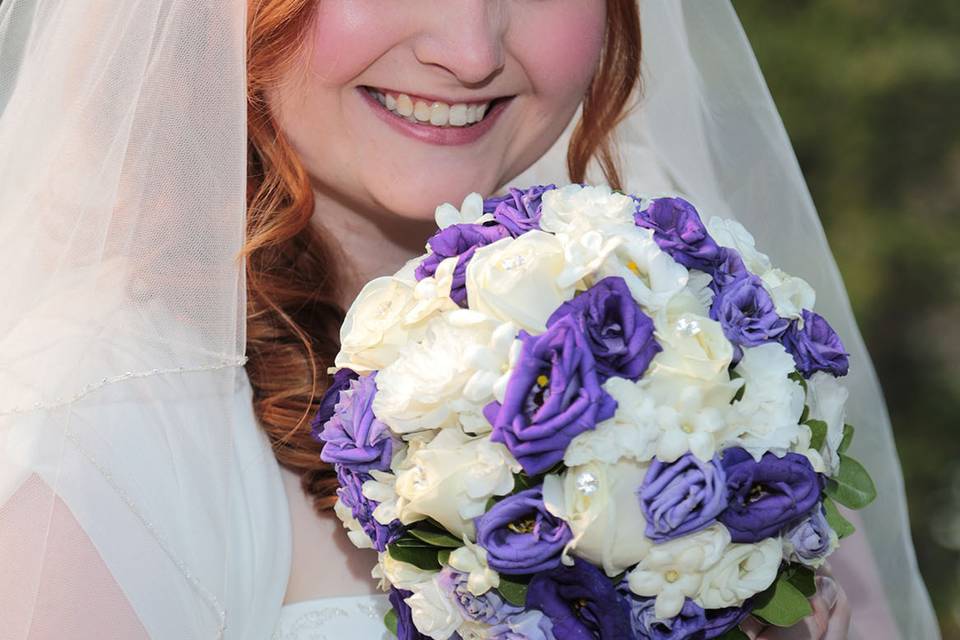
column 438, row 114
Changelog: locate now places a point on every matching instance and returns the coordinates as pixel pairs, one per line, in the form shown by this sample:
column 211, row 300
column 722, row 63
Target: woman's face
column 381, row 106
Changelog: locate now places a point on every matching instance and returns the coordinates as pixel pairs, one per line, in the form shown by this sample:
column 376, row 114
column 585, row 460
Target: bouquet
column 587, row 414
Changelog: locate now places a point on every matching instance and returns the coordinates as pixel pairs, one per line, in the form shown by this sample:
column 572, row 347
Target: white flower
column 516, row 280
column 584, row 252
column 433, row 610
column 767, row 417
column 790, row 551
column 402, row 575
column 599, row 503
column 827, row 399
column 790, row 295
column 451, row 478
column 674, row 570
column 470, row 212
column 694, row 346
column 732, row 234
column 381, row 488
column 472, row 560
column 574, row 205
column 374, row 328
column 744, row 570
column 355, row 532
column 423, row 387
column 632, row 431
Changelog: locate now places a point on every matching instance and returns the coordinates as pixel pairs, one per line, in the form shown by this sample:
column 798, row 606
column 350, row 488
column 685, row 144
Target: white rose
column 732, row 234
column 743, row 571
column 516, row 280
column 381, row 488
column 574, row 205
column 373, row 330
column 599, row 503
column 423, row 387
column 674, row 570
column 767, row 417
column 433, row 610
column 694, row 346
column 355, row 532
column 470, row 212
column 632, row 432
column 471, row 559
column 402, row 575
column 827, row 399
column 451, row 478
column 790, row 295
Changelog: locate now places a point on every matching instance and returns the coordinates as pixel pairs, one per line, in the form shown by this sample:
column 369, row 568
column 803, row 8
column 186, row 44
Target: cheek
column 346, row 37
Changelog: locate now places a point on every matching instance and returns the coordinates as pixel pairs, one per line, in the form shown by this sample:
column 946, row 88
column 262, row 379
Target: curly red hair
column 293, row 316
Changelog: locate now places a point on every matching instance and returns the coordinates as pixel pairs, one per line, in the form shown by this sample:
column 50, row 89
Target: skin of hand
column 830, row 619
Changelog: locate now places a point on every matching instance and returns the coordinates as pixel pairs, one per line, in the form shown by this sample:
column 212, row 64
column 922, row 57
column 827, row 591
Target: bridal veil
column 126, row 458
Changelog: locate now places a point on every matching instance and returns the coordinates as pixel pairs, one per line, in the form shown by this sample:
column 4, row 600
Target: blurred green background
column 870, row 95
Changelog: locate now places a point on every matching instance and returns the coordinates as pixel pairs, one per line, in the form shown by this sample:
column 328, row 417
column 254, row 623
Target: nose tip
column 467, row 41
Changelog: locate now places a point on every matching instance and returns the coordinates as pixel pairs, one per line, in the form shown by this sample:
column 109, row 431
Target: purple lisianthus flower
column 406, row 630
column 519, row 210
column 350, row 494
column 458, row 241
column 719, row 621
column 679, row 231
column 353, row 436
column 341, row 381
column 810, row 537
column 552, row 396
column 746, row 312
column 529, row 625
column 580, row 601
column 619, row 333
column 488, row 608
column 682, row 497
column 816, row 347
column 729, row 269
column 520, row 535
column 686, row 625
column 766, row 496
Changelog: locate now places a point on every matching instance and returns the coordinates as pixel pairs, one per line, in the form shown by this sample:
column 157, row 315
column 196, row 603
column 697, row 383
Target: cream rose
column 574, row 206
column 790, row 295
column 730, row 233
column 743, row 571
column 433, row 610
column 516, row 280
column 599, row 503
column 827, row 399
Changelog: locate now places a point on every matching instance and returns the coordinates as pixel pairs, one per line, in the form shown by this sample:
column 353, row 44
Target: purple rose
column 729, row 269
column 519, row 210
column 810, row 536
column 746, row 312
column 646, row 626
column 580, row 601
column 678, row 230
column 816, row 347
column 520, row 535
column 529, row 625
column 406, row 630
column 351, row 496
column 488, row 608
column 341, row 381
column 767, row 495
column 552, row 396
column 682, row 497
column 354, row 437
column 619, row 333
column 458, row 241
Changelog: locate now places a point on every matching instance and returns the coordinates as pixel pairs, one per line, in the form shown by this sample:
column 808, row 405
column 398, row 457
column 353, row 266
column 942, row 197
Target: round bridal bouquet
column 586, row 414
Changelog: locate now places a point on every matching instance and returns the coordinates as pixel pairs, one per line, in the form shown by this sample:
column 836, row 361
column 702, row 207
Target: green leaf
column 421, row 557
column 852, row 486
column 522, row 482
column 802, row 578
column 835, row 519
column 818, row 429
column 783, row 605
column 796, row 376
column 390, row 622
column 805, row 414
column 734, row 634
column 443, row 556
column 513, row 591
column 435, row 538
column 847, row 438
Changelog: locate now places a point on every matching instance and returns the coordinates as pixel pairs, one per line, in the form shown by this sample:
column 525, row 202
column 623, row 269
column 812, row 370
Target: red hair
column 293, row 316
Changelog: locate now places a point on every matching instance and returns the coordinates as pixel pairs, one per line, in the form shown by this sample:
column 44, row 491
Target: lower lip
column 446, row 136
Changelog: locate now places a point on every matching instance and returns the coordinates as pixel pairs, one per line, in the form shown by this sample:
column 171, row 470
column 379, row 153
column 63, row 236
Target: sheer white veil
column 706, row 127
column 122, row 212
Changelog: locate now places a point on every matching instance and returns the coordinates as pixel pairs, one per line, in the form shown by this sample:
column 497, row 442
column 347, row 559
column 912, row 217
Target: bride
column 191, row 192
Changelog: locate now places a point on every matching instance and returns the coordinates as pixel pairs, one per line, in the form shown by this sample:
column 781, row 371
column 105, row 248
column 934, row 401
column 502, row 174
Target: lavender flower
column 488, row 608
column 353, row 436
column 529, row 625
column 341, row 381
column 351, row 496
column 679, row 231
column 810, row 537
column 519, row 210
column 816, row 347
column 580, row 602
column 746, row 312
column 682, row 497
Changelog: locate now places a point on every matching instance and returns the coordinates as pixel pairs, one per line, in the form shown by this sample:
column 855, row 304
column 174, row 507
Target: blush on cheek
column 347, row 37
column 566, row 50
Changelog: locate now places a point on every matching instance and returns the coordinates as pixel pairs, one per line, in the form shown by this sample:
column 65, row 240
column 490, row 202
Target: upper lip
column 432, row 97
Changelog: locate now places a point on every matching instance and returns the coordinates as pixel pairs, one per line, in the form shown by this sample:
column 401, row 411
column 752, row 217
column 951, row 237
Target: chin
column 416, row 197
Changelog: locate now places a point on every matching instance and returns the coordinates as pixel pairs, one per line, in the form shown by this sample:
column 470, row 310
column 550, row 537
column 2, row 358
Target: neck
column 371, row 242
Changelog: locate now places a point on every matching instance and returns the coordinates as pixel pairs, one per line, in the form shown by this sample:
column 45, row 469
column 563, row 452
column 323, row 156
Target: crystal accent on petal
column 587, row 483
column 513, row 262
column 688, row 327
